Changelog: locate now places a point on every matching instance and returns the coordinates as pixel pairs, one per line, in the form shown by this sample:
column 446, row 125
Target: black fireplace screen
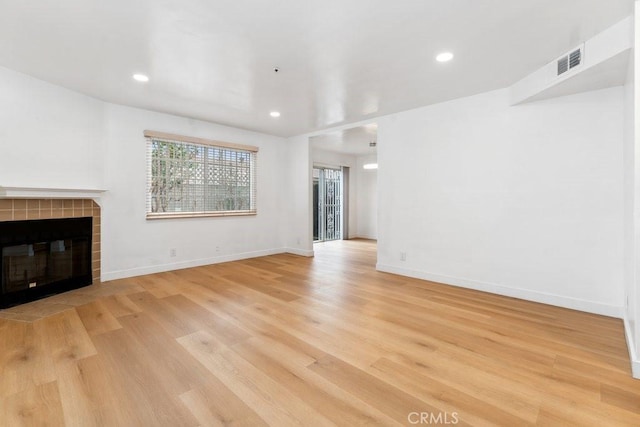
column 43, row 257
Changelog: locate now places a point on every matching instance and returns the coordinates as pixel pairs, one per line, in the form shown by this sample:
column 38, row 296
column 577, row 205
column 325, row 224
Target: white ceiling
column 609, row 73
column 341, row 61
column 353, row 141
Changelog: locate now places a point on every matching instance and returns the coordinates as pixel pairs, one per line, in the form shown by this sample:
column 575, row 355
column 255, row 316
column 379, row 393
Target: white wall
column 49, row 136
column 524, row 201
column 132, row 245
column 53, row 137
column 298, row 229
column 321, row 157
column 633, row 311
column 367, row 198
column 630, row 177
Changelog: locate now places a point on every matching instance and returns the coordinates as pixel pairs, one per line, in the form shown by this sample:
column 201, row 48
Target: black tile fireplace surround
column 39, row 258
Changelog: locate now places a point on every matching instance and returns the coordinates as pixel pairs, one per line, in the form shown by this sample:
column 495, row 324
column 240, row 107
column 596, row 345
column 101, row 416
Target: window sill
column 177, row 215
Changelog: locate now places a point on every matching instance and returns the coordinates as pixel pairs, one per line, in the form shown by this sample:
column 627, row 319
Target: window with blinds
column 190, row 177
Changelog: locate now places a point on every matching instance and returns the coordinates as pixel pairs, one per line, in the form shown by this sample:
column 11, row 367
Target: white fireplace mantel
column 49, row 193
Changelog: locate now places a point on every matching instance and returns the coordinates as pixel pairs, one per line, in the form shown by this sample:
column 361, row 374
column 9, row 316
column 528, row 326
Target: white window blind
column 197, row 177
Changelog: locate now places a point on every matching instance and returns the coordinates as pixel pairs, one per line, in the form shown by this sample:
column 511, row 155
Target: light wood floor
column 285, row 340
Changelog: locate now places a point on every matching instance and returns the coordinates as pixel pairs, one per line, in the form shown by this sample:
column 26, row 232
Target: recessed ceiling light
column 274, row 114
column 370, row 166
column 444, row 57
column 140, row 78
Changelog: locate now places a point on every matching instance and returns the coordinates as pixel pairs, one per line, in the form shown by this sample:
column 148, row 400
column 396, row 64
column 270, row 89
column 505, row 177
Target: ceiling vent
column 570, row 60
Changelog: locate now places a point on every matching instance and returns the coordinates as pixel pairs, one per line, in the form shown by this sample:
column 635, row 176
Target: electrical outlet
column 403, row 256
column 172, row 252
column 298, row 240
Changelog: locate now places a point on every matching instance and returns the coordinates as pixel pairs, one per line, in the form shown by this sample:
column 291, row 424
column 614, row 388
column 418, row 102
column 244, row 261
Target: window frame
column 151, row 136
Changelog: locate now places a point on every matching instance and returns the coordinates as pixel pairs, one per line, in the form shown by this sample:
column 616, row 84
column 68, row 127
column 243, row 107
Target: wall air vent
column 563, row 65
column 570, row 60
column 575, row 58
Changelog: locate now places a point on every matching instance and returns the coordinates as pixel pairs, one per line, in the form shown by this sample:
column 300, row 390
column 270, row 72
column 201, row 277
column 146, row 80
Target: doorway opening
column 327, row 204
column 344, row 188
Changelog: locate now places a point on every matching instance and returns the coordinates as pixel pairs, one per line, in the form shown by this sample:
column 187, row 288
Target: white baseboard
column 551, row 299
column 631, row 345
column 141, row 271
column 301, row 252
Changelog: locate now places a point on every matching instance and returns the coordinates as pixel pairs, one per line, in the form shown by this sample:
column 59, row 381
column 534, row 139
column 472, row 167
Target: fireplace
column 15, row 210
column 43, row 257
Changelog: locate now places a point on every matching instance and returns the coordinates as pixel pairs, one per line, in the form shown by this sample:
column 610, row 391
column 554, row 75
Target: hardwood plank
column 221, row 328
column 215, row 405
column 569, row 410
column 506, row 393
column 474, row 409
column 78, row 406
column 271, row 401
column 176, row 323
column 154, row 391
column 25, row 360
column 67, row 337
column 120, row 305
column 288, row 340
column 389, row 399
column 34, row 406
column 621, row 398
column 93, row 388
column 333, row 339
column 158, row 285
column 171, row 362
column 339, row 406
column 97, row 318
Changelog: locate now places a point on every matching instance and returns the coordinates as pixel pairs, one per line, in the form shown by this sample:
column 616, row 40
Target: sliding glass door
column 327, row 204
